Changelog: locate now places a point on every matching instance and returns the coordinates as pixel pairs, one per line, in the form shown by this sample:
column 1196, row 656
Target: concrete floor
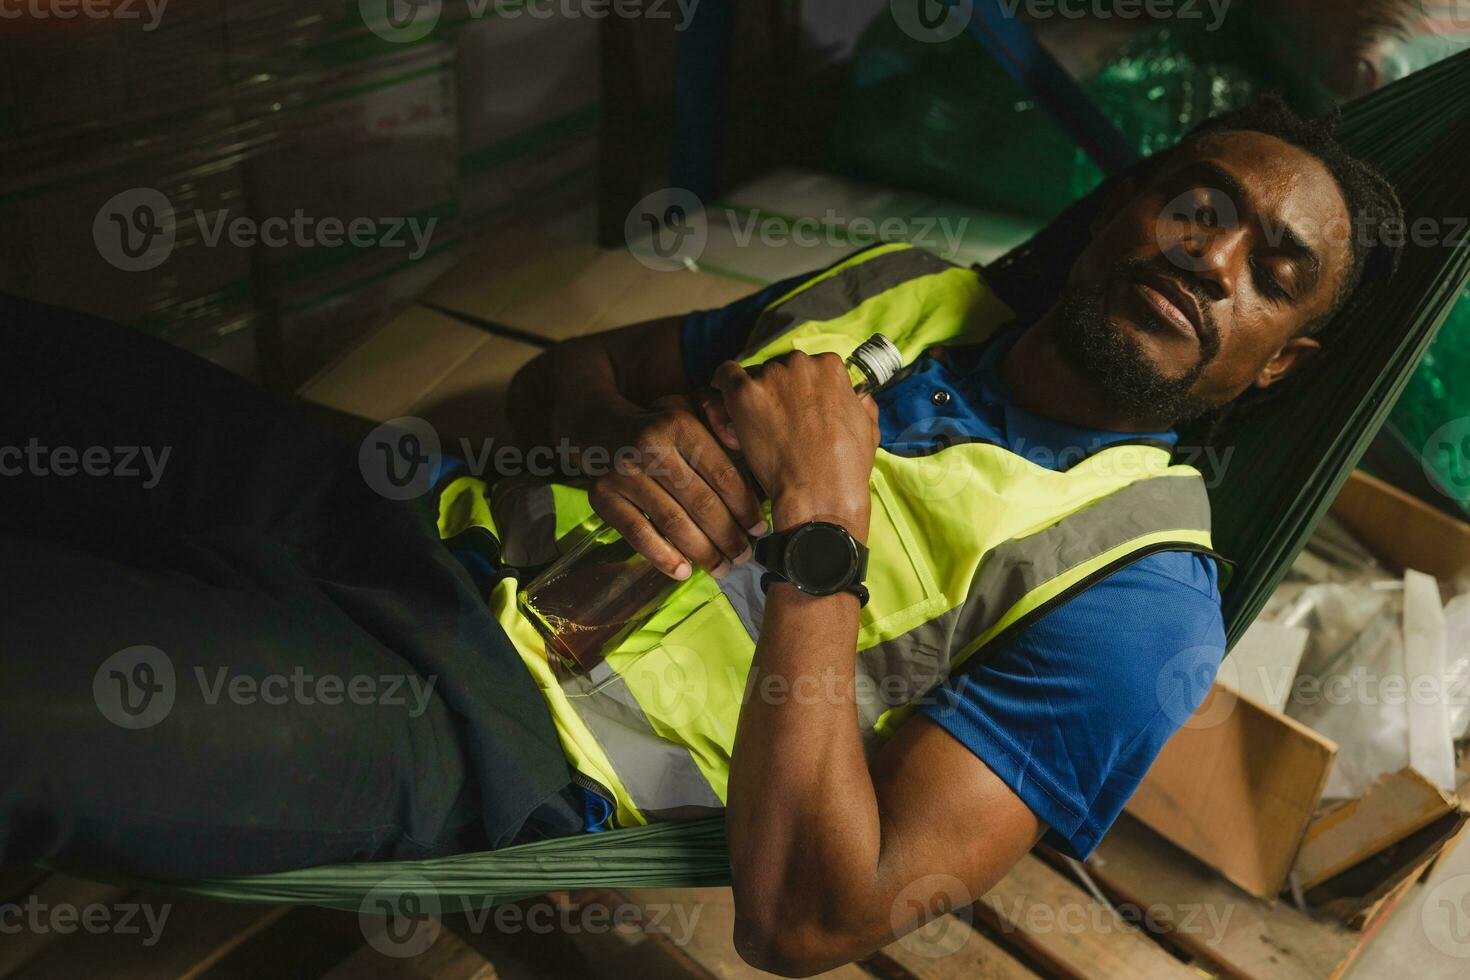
column 1428, row 936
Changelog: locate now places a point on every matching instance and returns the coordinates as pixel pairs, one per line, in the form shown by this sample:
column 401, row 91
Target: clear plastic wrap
column 1387, row 681
column 1457, row 664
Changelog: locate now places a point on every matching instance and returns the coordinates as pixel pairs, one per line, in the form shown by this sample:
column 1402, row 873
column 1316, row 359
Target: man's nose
column 1215, row 255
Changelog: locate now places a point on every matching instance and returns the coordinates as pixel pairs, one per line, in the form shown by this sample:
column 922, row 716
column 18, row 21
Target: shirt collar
column 1035, row 435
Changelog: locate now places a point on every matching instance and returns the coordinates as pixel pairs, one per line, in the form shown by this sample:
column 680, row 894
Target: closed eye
column 1269, row 283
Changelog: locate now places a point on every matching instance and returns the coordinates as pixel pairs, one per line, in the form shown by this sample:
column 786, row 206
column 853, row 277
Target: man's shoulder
column 1175, row 572
column 1161, row 601
column 1072, row 711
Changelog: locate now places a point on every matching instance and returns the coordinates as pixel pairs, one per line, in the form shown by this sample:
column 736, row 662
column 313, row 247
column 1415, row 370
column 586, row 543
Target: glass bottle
column 601, row 590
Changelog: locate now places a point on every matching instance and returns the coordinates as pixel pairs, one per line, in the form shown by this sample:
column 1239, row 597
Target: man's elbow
column 779, row 941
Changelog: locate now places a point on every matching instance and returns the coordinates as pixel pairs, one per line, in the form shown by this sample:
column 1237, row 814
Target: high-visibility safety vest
column 969, row 544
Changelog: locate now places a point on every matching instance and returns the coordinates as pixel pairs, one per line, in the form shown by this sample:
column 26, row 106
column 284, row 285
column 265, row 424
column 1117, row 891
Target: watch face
column 820, row 558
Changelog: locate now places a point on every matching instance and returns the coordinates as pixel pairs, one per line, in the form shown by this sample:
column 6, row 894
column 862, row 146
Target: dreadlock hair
column 1031, row 277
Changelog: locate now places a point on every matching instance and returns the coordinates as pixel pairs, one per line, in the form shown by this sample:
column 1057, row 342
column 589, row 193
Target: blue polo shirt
column 1072, row 711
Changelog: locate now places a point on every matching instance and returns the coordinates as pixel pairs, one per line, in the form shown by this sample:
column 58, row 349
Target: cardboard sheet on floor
column 1398, row 805
column 1362, row 895
column 1237, row 787
column 557, row 290
column 739, row 247
column 430, row 365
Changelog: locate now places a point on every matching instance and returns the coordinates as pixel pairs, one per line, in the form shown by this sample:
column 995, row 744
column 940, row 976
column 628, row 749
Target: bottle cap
column 879, row 359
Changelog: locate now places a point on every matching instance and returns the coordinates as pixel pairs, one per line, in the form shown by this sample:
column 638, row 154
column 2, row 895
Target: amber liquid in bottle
column 592, row 597
column 600, row 591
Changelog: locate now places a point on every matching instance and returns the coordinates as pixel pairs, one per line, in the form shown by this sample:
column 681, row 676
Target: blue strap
column 701, row 97
column 597, row 813
column 1017, row 51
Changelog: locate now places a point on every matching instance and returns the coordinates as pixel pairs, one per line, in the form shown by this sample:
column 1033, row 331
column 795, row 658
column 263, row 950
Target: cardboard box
column 69, row 215
column 1237, row 787
column 315, row 319
column 1240, row 788
column 560, row 288
column 376, row 144
column 69, row 74
column 428, row 365
column 1398, row 805
column 433, row 362
column 1403, row 531
column 529, row 100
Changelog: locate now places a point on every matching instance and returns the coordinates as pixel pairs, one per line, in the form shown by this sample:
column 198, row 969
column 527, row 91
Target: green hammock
column 1289, row 462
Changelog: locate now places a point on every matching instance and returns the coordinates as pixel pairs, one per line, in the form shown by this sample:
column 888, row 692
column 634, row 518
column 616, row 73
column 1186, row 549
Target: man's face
column 1198, row 285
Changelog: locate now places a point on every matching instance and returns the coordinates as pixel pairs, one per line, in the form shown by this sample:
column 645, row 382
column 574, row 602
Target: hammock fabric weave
column 1289, row 462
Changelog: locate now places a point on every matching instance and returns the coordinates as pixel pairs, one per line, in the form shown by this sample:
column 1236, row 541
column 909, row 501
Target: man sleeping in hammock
column 985, row 598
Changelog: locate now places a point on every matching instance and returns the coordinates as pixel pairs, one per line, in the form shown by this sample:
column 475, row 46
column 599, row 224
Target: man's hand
column 806, row 437
column 679, row 498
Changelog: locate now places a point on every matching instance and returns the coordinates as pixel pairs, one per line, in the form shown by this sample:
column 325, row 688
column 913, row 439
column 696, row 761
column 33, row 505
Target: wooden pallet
column 1040, row 921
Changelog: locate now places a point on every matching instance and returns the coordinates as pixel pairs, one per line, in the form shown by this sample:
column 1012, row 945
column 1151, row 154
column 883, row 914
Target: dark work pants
column 219, row 661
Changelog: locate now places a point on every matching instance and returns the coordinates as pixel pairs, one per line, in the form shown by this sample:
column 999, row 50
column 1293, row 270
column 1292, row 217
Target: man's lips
column 1171, row 302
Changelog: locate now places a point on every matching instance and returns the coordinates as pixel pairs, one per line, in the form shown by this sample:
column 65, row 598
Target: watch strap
column 858, row 589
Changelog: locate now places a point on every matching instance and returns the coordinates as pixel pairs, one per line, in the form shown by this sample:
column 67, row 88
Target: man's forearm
column 569, row 395
column 804, row 828
column 586, row 392
column 614, row 408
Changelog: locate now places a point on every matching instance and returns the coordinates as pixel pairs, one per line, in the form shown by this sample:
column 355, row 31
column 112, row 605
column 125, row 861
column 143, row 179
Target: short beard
column 1113, row 362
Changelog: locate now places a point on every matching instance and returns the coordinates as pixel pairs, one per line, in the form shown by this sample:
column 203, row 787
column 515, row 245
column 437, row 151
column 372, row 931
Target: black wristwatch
column 817, row 557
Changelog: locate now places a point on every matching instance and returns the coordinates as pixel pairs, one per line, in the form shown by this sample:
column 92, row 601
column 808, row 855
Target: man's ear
column 1288, row 359
column 1114, row 201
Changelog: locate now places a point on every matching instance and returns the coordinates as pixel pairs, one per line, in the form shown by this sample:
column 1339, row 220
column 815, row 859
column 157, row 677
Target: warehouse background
column 266, row 110
column 496, row 151
column 261, row 110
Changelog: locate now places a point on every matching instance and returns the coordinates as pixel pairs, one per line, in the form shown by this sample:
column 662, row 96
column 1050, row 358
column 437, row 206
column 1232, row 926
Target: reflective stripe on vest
column 968, row 544
column 659, row 775
column 844, row 288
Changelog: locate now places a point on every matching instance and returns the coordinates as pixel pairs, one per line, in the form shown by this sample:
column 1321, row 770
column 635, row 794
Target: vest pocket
column 695, row 676
column 902, row 588
column 666, row 715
